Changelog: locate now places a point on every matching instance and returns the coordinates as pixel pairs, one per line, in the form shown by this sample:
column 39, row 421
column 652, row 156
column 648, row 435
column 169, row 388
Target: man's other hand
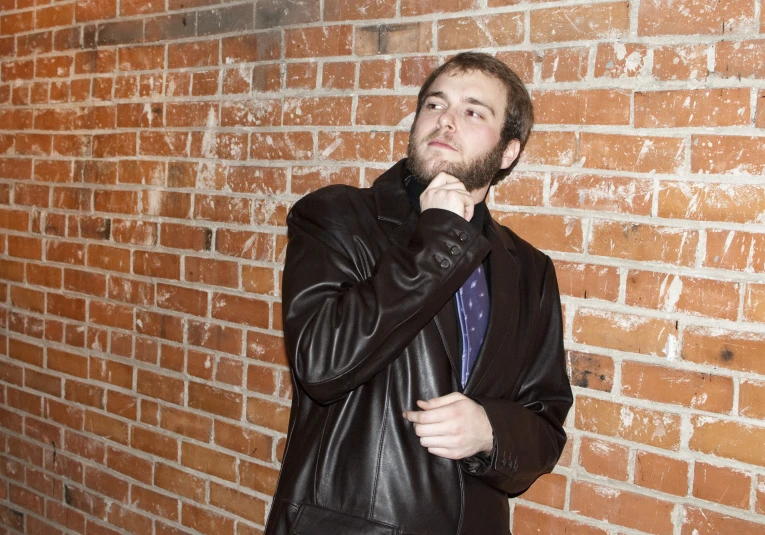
column 452, row 426
column 447, row 192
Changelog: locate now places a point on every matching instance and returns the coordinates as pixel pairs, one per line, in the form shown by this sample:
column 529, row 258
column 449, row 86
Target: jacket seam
column 380, row 445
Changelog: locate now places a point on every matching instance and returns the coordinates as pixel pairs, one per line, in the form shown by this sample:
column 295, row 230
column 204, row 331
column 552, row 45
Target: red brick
column 666, row 292
column 88, row 10
column 193, row 54
column 158, row 265
column 661, row 473
column 185, row 237
column 642, row 242
column 154, row 502
column 528, row 521
column 159, row 325
column 550, row 232
column 318, row 111
column 590, row 106
column 179, row 482
column 163, row 143
column 632, row 153
column 301, row 75
column 223, row 208
column 588, row 280
column 209, row 271
column 268, row 414
column 266, row 348
column 26, row 499
column 655, row 428
column 205, row 521
column 564, row 64
column 219, row 146
column 107, row 427
column 599, row 21
column 484, row 31
column 261, row 112
column 154, row 443
column 384, row 110
column 625, row 332
column 186, row 423
column 174, row 204
column 705, row 522
column 342, row 75
column 236, row 502
column 702, row 391
column 623, row 508
column 354, row 146
column 130, row 291
column 751, row 399
column 28, row 299
column 182, row 299
column 727, row 155
column 281, row 146
column 740, row 59
column 208, row 461
column 549, row 490
column 215, row 400
column 106, row 484
column 23, row 247
column 306, row 179
column 693, row 17
column 726, row 349
column 160, row 386
column 722, row 485
column 244, row 244
column 729, row 439
column 683, row 62
column 318, row 42
column 53, row 67
column 703, row 201
column 671, row 109
column 595, row 192
column 620, row 60
column 258, row 477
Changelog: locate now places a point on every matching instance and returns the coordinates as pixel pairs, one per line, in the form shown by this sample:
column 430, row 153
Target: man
column 424, row 339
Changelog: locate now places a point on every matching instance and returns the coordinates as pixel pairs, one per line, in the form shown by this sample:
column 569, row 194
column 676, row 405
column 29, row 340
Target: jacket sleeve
column 528, row 430
column 344, row 322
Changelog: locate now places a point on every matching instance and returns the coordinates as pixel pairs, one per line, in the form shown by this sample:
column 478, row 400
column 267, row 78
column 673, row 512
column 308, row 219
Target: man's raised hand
column 448, row 193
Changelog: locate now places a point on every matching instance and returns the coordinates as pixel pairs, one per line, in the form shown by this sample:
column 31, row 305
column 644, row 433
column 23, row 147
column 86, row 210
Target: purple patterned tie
column 473, row 313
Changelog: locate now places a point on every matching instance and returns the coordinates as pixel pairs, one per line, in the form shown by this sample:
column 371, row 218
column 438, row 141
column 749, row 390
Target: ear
column 511, row 153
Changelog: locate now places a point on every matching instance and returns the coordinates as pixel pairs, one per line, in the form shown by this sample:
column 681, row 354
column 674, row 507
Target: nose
column 446, row 120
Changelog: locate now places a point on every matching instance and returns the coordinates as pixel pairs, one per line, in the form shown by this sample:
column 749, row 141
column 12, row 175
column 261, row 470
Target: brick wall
column 149, row 152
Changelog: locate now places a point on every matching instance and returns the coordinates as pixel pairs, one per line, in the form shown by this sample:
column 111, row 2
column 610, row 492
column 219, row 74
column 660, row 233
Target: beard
column 475, row 174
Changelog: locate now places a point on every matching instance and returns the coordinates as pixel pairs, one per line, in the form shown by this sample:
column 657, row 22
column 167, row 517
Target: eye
column 433, row 106
column 474, row 114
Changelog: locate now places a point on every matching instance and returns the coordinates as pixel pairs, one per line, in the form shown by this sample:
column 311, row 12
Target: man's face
column 458, row 130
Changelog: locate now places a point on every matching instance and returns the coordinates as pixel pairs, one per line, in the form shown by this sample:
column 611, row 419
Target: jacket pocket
column 315, row 520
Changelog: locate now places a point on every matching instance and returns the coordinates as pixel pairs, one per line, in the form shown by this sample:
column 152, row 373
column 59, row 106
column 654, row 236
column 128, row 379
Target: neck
column 479, row 195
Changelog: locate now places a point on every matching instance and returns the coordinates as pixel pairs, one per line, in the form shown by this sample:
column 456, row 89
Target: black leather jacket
column 370, row 328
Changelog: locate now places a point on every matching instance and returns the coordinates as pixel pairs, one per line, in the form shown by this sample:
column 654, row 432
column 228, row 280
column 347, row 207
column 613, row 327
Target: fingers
column 441, row 401
column 442, row 179
column 449, row 193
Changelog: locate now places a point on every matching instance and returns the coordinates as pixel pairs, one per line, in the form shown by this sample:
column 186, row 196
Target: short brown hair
column 519, row 113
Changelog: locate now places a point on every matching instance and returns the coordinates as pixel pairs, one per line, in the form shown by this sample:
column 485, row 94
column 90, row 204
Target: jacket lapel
column 503, row 316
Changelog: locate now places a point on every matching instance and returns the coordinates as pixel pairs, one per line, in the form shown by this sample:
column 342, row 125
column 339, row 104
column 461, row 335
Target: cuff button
column 454, row 250
column 463, row 236
column 444, row 263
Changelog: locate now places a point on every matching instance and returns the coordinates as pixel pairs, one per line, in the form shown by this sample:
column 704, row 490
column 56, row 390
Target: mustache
column 446, row 137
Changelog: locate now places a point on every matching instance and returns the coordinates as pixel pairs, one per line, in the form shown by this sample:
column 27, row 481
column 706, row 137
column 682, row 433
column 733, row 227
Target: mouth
column 441, row 145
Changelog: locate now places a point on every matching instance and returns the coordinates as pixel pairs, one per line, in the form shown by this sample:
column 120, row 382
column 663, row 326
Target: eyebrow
column 470, row 100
